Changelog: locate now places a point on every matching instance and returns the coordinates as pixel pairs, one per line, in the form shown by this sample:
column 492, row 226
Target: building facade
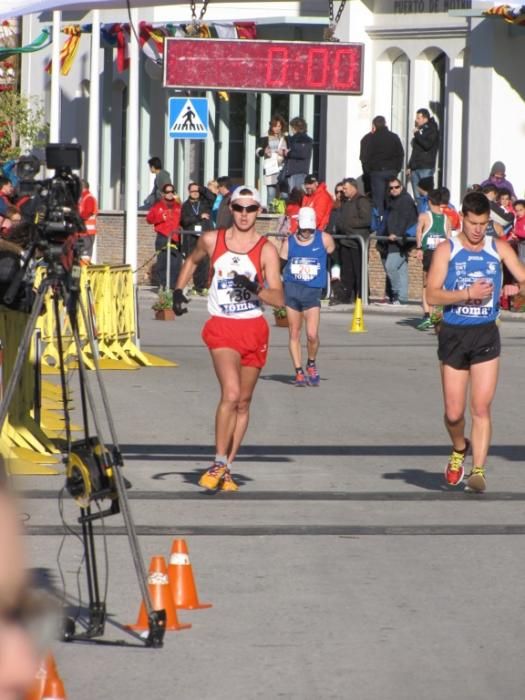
column 439, row 54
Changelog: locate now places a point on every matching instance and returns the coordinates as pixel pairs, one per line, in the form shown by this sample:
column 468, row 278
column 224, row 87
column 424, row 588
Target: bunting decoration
column 151, row 40
column 69, row 50
column 513, row 15
column 41, row 42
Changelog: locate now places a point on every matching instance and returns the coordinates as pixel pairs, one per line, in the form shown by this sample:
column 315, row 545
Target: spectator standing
column 6, row 194
column 196, row 216
column 498, row 177
column 162, row 178
column 223, row 218
column 164, row 215
column 337, row 292
column 298, row 154
column 401, row 214
column 519, row 227
column 318, row 197
column 381, row 155
column 293, row 204
column 500, row 220
column 425, row 145
column 305, row 276
column 88, row 210
column 272, row 148
column 354, row 220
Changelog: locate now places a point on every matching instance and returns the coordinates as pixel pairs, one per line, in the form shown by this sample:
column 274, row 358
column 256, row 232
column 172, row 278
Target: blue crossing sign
column 188, row 117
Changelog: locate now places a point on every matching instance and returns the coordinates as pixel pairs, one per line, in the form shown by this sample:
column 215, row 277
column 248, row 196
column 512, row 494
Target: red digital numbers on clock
column 263, row 66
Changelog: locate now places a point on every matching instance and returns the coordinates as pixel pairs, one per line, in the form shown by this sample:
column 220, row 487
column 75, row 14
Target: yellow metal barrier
column 24, row 445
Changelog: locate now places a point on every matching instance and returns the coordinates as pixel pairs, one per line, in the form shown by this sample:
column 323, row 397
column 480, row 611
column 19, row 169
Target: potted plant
column 163, row 307
column 281, row 317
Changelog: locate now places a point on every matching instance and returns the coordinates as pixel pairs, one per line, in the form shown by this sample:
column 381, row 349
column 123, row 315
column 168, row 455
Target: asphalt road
column 343, row 568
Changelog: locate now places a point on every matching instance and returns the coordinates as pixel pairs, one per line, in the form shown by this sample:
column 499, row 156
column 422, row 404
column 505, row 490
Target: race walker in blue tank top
column 464, row 269
column 306, row 263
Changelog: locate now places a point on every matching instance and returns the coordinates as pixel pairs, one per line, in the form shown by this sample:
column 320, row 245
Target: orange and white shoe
column 212, row 478
column 227, row 483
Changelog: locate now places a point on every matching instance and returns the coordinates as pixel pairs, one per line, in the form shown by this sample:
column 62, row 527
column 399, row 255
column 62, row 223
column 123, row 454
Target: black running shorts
column 463, row 346
column 427, row 259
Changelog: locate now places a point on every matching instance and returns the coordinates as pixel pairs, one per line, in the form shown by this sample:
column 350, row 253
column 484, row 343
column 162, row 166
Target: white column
column 145, row 130
column 294, row 105
column 308, row 116
column 452, row 176
column 93, row 169
column 169, row 143
column 132, row 129
column 250, row 131
column 54, row 126
column 223, row 164
column 265, row 116
column 209, row 144
column 105, row 166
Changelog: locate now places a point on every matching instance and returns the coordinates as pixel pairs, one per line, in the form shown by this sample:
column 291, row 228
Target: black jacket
column 354, row 219
column 381, row 150
column 425, row 146
column 298, row 158
column 401, row 214
column 191, row 214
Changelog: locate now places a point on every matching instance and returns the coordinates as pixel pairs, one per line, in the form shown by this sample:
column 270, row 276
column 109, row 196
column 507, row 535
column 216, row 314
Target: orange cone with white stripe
column 48, row 683
column 181, row 579
column 161, row 598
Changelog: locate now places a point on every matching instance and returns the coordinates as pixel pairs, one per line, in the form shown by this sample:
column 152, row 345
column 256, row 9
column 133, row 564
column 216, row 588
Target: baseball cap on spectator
column 306, row 218
column 426, row 184
column 245, row 192
column 310, row 179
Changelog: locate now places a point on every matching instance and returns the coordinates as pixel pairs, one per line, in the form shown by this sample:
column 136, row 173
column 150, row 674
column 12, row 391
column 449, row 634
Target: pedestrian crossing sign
column 188, row 117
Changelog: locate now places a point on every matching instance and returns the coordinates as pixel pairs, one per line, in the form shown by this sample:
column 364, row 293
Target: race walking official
column 465, row 277
column 88, row 210
column 245, row 269
column 304, row 277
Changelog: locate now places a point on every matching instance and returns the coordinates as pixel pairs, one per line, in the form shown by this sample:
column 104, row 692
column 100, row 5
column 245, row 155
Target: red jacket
column 321, row 200
column 165, row 218
column 88, row 210
column 291, row 212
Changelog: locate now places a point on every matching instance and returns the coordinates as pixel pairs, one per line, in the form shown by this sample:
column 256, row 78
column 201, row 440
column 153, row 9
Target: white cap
column 307, row 218
column 247, row 193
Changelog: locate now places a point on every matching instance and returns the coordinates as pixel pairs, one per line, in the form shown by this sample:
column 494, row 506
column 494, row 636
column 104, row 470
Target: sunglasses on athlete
column 250, row 209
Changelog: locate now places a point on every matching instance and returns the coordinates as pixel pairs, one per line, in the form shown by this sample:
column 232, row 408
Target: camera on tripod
column 53, row 202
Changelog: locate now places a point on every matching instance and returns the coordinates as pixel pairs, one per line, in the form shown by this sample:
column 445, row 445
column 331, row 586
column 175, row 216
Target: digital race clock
column 263, row 66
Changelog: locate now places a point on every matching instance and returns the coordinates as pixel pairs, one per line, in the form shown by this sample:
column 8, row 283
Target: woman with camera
column 273, row 148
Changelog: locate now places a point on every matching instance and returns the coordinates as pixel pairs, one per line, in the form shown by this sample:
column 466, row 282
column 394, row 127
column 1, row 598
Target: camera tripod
column 93, row 470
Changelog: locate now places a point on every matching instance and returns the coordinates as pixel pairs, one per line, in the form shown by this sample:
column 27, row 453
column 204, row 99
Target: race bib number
column 433, row 242
column 304, row 269
column 475, row 308
column 233, row 300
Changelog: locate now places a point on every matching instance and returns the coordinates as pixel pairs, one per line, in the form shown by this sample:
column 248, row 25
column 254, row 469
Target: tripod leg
column 156, row 618
column 97, row 608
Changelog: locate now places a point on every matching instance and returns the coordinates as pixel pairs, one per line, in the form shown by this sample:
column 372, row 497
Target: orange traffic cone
column 181, row 579
column 54, row 688
column 46, row 670
column 161, row 598
column 36, row 690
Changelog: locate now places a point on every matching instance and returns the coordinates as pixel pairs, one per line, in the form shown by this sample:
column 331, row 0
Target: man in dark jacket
column 425, row 144
column 196, row 216
column 381, row 155
column 354, row 219
column 401, row 214
column 224, row 218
